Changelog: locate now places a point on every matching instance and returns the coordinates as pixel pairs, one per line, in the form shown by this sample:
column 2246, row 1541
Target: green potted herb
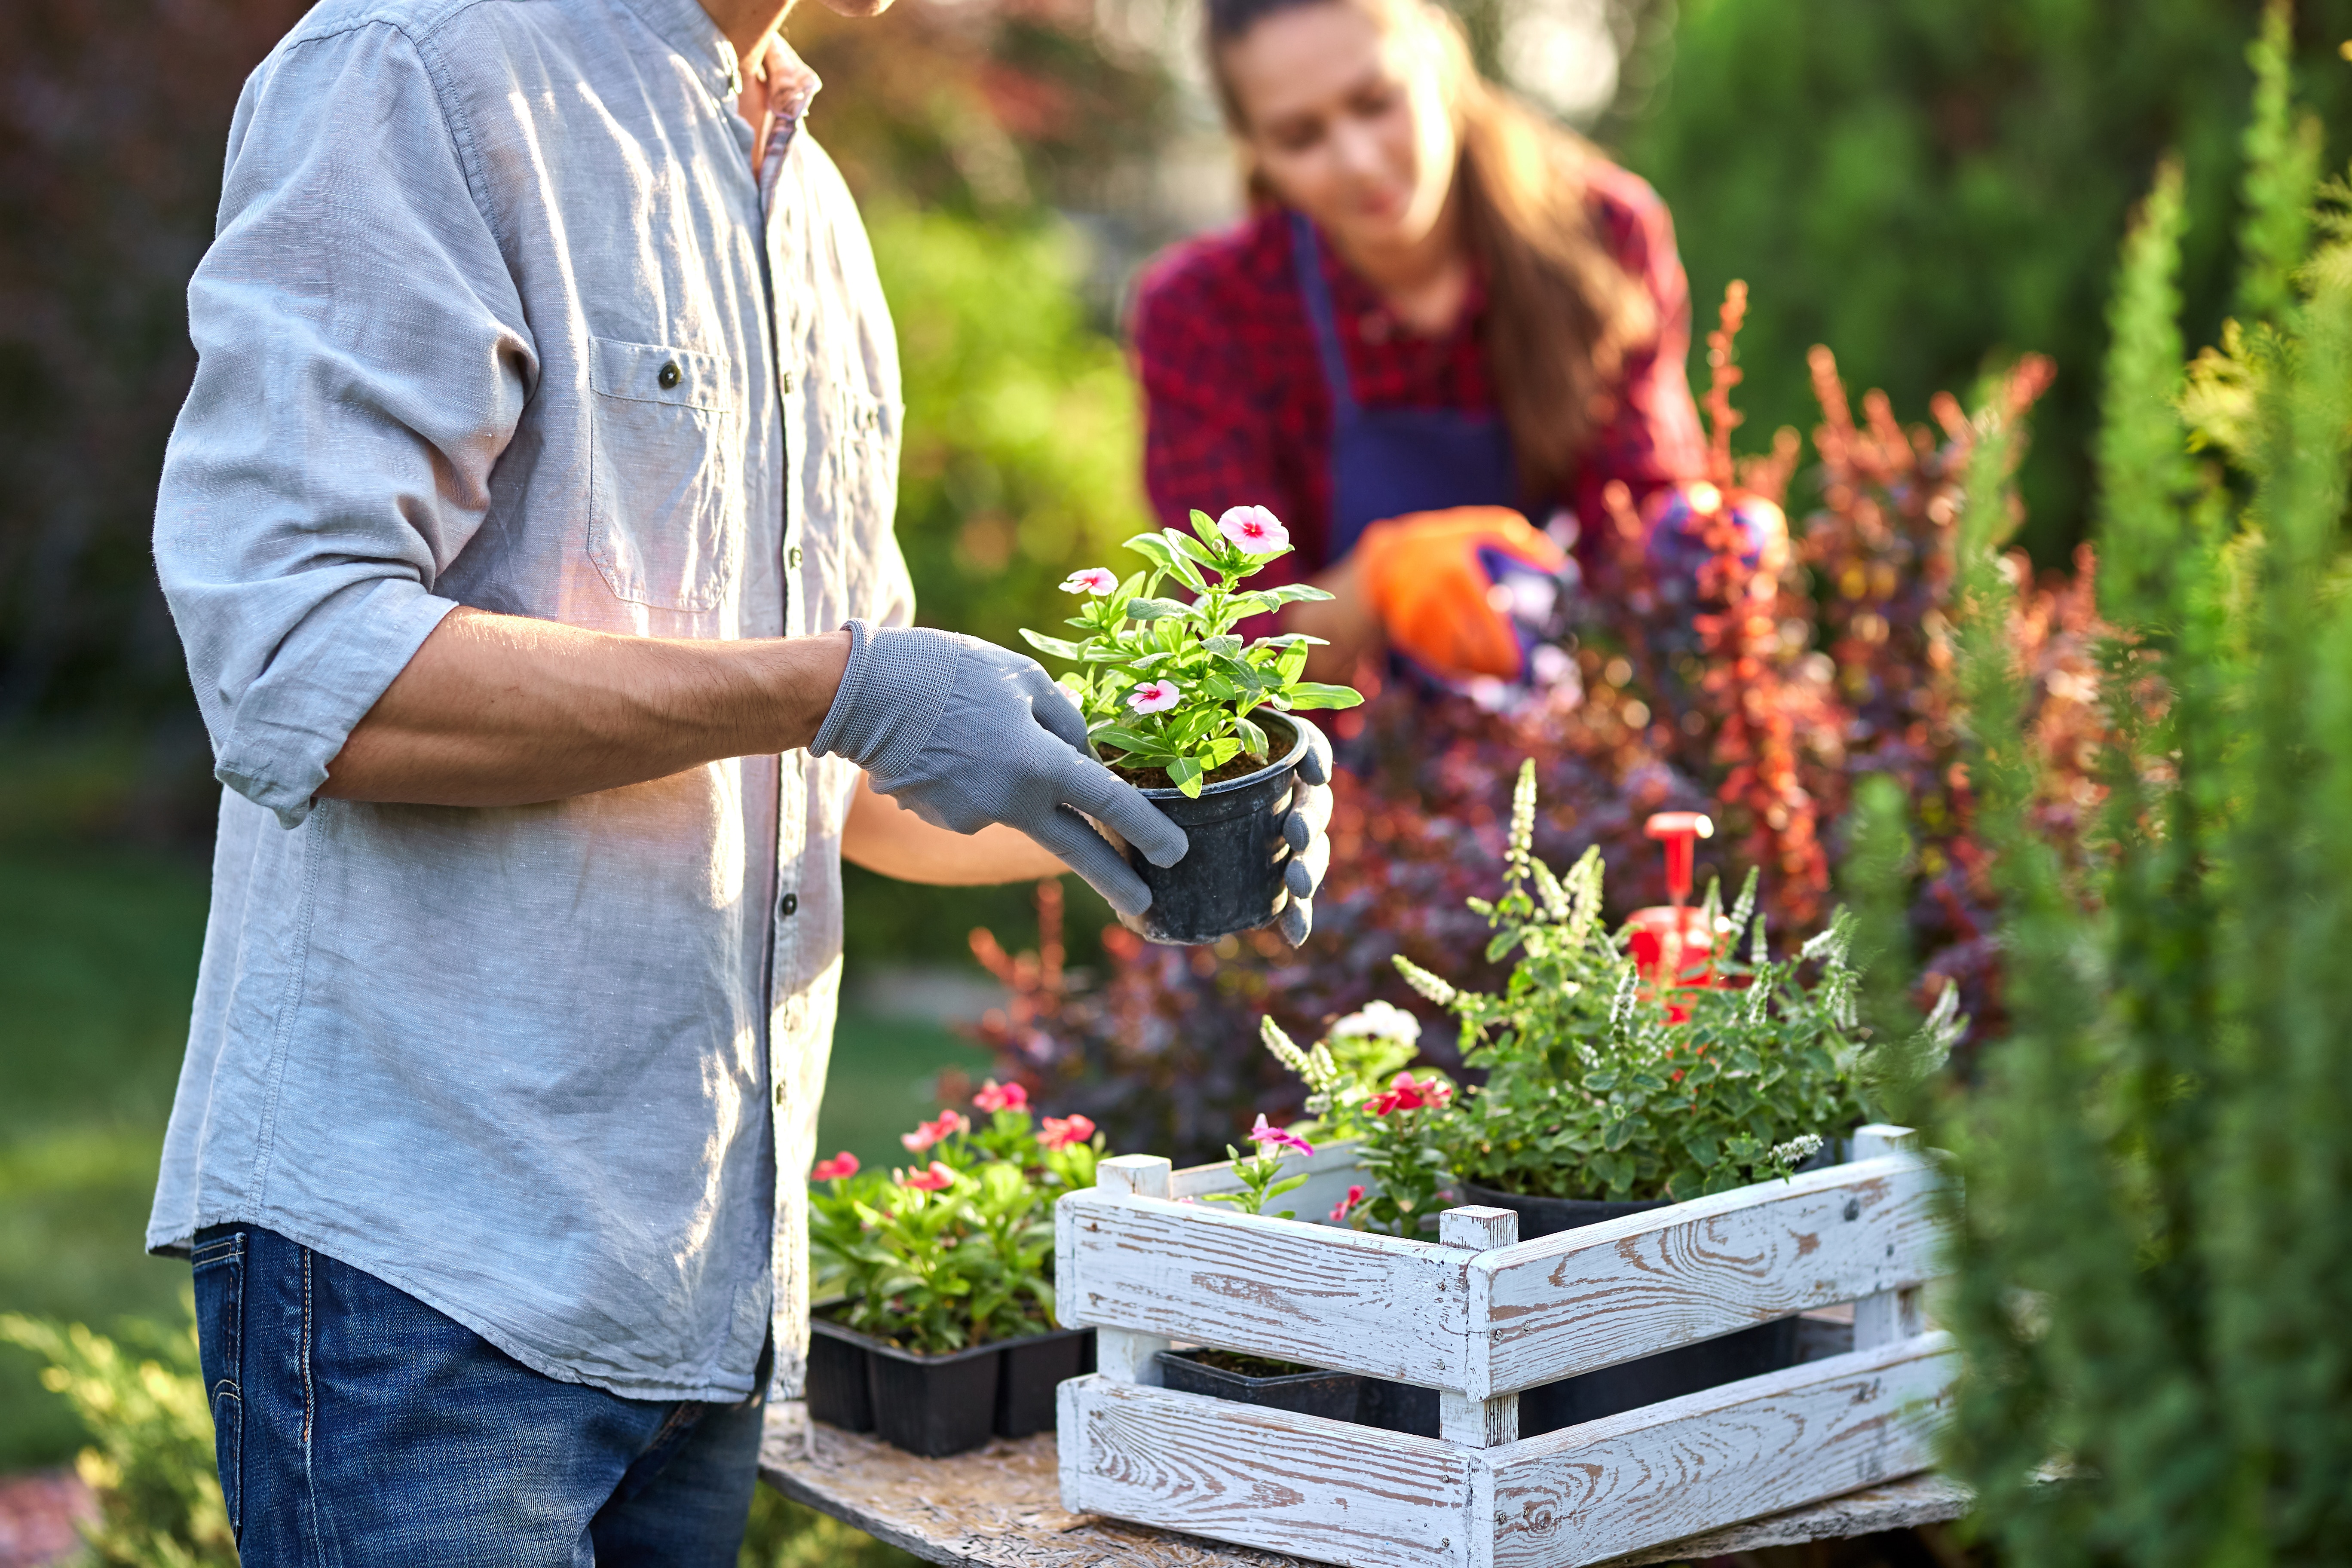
column 945, row 1331
column 1183, row 709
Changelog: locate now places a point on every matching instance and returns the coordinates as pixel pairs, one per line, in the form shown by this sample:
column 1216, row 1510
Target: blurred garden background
column 1930, row 189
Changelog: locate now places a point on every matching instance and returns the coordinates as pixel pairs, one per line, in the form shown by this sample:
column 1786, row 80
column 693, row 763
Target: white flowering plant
column 1164, row 682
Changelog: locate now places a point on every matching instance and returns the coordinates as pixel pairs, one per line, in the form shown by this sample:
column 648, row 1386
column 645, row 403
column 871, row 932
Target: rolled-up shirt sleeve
column 361, row 362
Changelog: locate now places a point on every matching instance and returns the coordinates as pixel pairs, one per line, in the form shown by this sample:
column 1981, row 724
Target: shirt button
column 792, row 556
column 668, row 376
column 788, row 381
column 790, row 904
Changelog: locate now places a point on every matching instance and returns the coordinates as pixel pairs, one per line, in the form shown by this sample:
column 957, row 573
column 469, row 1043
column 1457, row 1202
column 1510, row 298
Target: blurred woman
column 1444, row 315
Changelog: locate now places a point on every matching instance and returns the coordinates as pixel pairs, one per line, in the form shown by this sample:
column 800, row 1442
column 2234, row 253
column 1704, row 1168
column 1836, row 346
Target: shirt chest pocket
column 664, row 498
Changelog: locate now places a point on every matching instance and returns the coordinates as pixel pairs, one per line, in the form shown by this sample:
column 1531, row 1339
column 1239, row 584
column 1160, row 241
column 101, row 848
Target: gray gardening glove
column 964, row 733
column 1310, row 852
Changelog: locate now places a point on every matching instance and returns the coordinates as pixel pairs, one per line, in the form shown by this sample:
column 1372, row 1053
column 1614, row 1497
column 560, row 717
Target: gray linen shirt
column 497, row 314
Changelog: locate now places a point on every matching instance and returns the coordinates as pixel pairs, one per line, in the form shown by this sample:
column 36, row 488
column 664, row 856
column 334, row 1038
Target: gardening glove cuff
column 963, row 733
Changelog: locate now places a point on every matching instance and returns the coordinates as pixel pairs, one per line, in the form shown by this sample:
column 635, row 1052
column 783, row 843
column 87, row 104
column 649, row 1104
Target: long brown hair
column 1563, row 314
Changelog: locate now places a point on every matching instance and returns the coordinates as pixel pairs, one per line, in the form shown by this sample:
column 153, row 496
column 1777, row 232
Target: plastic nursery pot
column 1750, row 1352
column 933, row 1406
column 1335, row 1395
column 1034, row 1368
column 1400, row 1407
column 1231, row 877
column 837, row 1392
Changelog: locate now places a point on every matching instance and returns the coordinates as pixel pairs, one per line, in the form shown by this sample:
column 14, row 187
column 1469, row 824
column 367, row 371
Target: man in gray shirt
column 528, row 526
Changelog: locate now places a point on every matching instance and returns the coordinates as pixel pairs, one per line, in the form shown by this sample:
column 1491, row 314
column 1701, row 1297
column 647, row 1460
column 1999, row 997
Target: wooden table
column 1000, row 1506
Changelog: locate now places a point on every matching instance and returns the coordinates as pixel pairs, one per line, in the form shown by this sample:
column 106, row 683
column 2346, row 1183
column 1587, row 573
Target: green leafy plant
column 1261, row 1173
column 1358, row 1090
column 1164, row 682
column 957, row 1252
column 1603, row 1083
column 153, row 1467
column 2155, row 1261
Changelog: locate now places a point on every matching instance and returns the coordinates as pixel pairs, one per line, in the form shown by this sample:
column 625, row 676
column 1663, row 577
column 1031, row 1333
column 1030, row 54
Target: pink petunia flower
column 938, row 1179
column 1340, row 1210
column 1061, row 1131
column 1262, row 1135
column 930, row 1132
column 1094, row 580
column 1254, row 528
column 1153, row 696
column 994, row 1096
column 839, row 1168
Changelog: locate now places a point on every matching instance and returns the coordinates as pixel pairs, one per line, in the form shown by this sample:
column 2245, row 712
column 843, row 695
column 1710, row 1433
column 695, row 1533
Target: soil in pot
column 1033, row 1369
column 1255, row 1380
column 837, row 1392
column 1768, row 1347
column 1231, row 877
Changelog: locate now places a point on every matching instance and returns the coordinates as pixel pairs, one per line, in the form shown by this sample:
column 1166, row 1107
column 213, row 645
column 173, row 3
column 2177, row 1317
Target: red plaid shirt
column 1236, row 406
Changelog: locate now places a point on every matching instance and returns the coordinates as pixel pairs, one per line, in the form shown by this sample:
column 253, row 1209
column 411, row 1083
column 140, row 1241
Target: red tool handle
column 1680, row 830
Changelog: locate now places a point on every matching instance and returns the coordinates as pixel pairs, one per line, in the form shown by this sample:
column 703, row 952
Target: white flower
column 1254, row 528
column 1153, row 696
column 1094, row 580
column 1382, row 1021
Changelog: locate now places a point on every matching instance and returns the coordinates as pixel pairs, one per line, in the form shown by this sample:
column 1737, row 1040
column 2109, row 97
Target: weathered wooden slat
column 1323, row 1490
column 1613, row 1292
column 1587, row 1493
column 1317, row 1294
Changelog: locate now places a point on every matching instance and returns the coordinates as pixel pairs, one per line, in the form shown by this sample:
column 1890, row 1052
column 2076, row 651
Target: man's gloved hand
column 1310, row 851
column 1448, row 586
column 964, row 733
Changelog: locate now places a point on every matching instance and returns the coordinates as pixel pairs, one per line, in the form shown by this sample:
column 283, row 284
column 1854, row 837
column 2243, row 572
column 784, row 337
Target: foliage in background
column 1921, row 184
column 2157, row 1277
column 1723, row 703
column 151, row 1463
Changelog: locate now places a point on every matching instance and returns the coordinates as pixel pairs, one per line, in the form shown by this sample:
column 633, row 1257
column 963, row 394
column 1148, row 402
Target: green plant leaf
column 1206, row 527
column 1153, row 609
column 1054, row 646
column 1306, row 694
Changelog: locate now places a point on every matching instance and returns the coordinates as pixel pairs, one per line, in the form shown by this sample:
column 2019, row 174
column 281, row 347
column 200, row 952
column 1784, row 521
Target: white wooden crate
column 1480, row 1316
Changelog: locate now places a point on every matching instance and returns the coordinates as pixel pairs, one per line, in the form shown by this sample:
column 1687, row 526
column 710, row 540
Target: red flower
column 1061, row 1131
column 838, row 1168
column 939, row 1178
column 1339, row 1210
column 930, row 1132
column 1005, row 1097
column 1404, row 1094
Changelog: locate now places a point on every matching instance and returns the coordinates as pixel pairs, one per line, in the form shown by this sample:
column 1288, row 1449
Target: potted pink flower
column 944, row 1332
column 1180, row 706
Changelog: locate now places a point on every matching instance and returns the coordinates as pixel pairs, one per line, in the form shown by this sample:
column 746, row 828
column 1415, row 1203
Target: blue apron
column 1386, row 462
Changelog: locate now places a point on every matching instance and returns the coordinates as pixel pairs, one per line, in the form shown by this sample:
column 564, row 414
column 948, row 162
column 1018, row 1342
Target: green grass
column 98, row 948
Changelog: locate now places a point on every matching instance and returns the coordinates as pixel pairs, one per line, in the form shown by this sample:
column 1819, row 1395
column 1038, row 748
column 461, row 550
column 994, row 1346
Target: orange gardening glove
column 1433, row 578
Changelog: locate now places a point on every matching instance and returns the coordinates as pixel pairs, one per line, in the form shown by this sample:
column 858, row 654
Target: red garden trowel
column 1672, row 944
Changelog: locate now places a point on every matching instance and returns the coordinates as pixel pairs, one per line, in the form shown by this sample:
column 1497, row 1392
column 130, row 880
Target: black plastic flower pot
column 1335, row 1395
column 934, row 1405
column 1400, row 1407
column 837, row 1392
column 1750, row 1352
column 1231, row 879
column 1034, row 1368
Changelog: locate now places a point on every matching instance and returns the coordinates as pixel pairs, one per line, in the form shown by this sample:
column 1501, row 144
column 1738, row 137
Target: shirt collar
column 687, row 27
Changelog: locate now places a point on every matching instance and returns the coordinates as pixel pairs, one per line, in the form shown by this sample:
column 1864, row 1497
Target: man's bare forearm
column 507, row 711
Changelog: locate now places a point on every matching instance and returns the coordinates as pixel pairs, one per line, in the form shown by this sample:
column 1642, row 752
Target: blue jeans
column 356, row 1425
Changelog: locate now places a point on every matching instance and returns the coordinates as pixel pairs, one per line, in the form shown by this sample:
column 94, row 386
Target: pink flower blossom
column 1153, row 696
column 1254, row 528
column 938, row 1179
column 1262, row 1135
column 1404, row 1094
column 1094, row 580
column 1061, row 1131
column 1340, row 1210
column 839, row 1168
column 1005, row 1097
column 930, row 1132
